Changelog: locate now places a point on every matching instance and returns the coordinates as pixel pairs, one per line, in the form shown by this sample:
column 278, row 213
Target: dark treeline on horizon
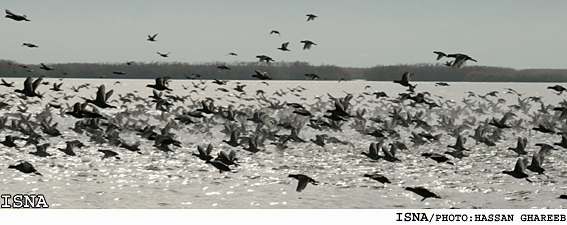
column 281, row 71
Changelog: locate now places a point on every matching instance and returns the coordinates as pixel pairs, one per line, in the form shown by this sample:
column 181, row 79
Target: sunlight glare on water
column 177, row 179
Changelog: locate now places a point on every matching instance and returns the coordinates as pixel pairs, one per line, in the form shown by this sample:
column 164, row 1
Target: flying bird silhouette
column 101, row 98
column 261, row 75
column 440, row 54
column 421, row 191
column 30, row 45
column 307, row 44
column 30, row 87
column 25, row 167
column 164, row 54
column 519, row 170
column 284, row 47
column 311, row 17
column 16, row 17
column 152, row 37
column 460, row 60
column 45, row 67
column 303, row 180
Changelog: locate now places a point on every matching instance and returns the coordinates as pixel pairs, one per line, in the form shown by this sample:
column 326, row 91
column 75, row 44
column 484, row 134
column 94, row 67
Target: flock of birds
column 278, row 123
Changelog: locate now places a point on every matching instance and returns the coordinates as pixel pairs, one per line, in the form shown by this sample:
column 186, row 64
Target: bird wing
column 100, row 94
column 546, row 149
column 339, row 106
column 36, row 83
column 520, row 165
column 305, row 44
column 459, row 63
column 159, row 80
column 407, row 77
column 166, row 79
column 156, row 95
column 461, row 141
column 232, row 155
column 346, row 101
column 223, row 155
column 108, row 94
column 520, row 143
column 10, row 12
column 201, row 150
column 77, row 107
column 28, row 84
column 504, row 119
column 204, row 104
column 440, row 54
column 84, row 105
column 387, row 152
column 302, row 184
column 209, row 149
column 393, row 150
column 373, row 150
column 536, row 160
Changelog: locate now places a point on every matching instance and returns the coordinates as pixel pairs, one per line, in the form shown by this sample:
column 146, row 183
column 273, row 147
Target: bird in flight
column 307, row 44
column 25, row 167
column 519, row 170
column 163, row 54
column 275, row 32
column 440, row 54
column 30, row 45
column 284, row 47
column 421, row 191
column 152, row 38
column 303, row 180
column 460, row 59
column 311, row 17
column 45, row 67
column 406, row 77
column 265, row 58
column 30, row 87
column 16, row 17
column 261, row 75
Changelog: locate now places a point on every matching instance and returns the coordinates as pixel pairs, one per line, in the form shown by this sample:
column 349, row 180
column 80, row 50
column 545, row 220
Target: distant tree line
column 281, row 71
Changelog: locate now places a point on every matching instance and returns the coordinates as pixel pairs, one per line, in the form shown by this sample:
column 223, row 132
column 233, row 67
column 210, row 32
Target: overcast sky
column 505, row 33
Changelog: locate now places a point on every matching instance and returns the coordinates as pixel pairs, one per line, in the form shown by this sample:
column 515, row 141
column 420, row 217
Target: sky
column 359, row 33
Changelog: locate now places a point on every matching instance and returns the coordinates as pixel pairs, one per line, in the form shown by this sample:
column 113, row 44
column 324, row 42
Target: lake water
column 177, row 179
